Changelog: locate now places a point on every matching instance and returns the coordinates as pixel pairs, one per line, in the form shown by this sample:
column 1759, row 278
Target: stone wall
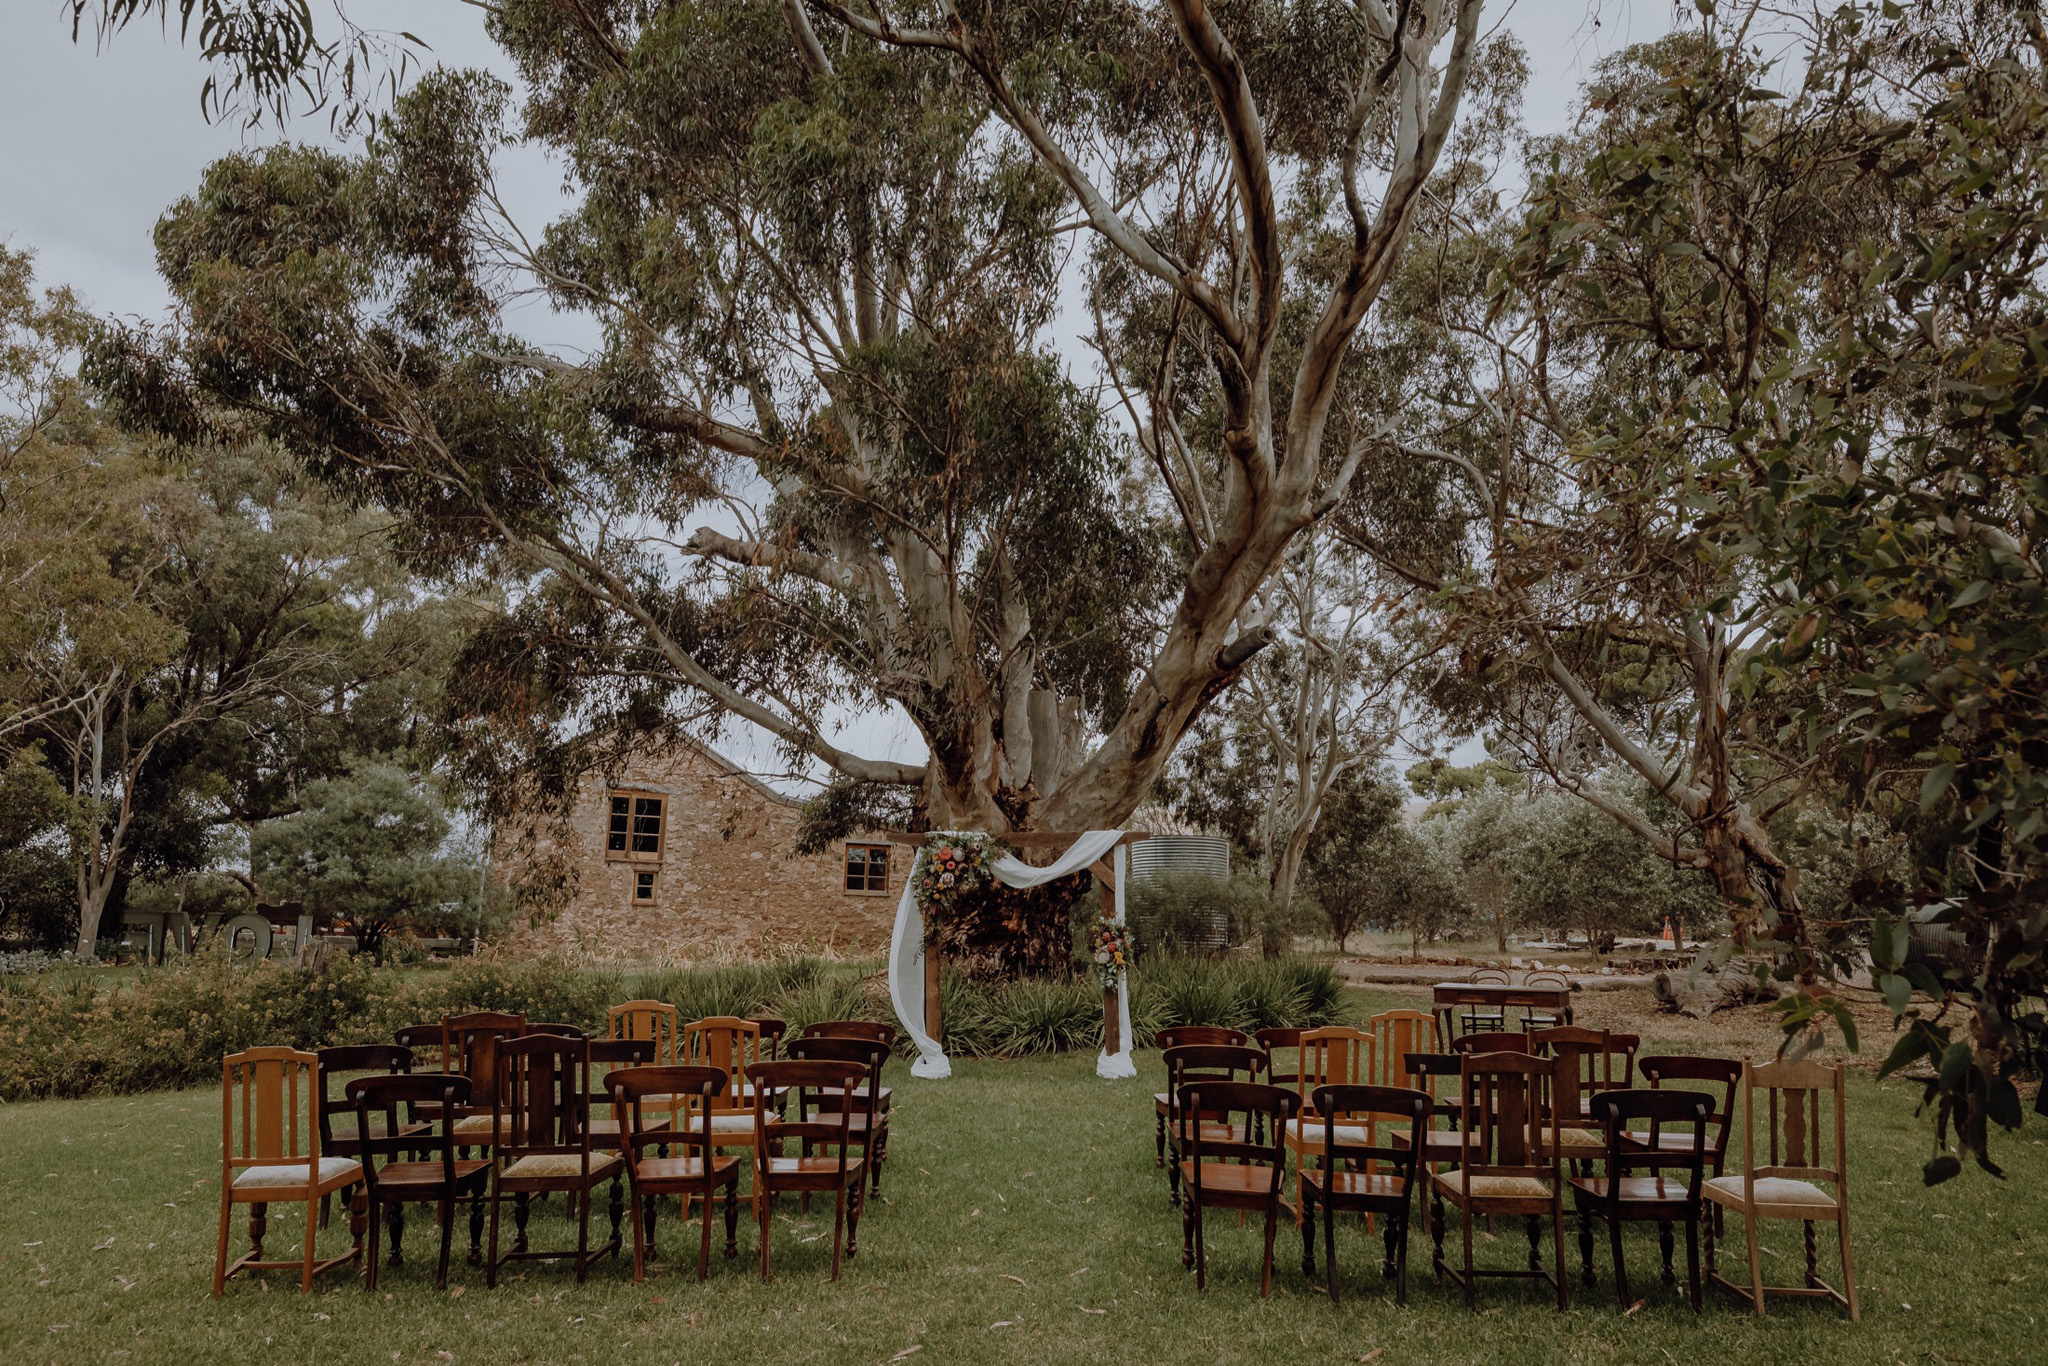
column 728, row 882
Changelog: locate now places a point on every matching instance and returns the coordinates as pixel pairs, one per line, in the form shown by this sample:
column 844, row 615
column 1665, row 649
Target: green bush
column 1235, row 994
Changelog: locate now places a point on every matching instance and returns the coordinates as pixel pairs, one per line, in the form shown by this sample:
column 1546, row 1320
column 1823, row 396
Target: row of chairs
column 1529, row 1119
column 531, row 1100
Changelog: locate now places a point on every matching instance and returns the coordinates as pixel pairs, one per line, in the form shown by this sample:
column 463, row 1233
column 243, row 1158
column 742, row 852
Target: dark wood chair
column 1533, row 1018
column 867, row 1123
column 1722, row 1073
column 1277, row 1043
column 1589, row 1061
column 607, row 1128
column 539, row 1115
column 1231, row 1154
column 270, row 1155
column 469, row 1045
column 425, row 1042
column 419, row 1166
column 1478, row 1017
column 826, row 1163
column 567, row 1031
column 1618, row 1196
column 1194, row 1062
column 1176, row 1036
column 872, row 1030
column 1505, row 1166
column 335, row 1065
column 694, row 1171
column 1378, row 1176
column 1491, row 1041
column 773, row 1030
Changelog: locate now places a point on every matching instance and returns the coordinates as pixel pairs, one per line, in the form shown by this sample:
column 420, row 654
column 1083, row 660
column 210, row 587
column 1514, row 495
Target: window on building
column 635, row 829
column 643, row 885
column 867, row 867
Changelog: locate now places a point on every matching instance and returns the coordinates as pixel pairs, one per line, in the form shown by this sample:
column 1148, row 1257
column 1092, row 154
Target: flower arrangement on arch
column 952, row 866
column 1111, row 944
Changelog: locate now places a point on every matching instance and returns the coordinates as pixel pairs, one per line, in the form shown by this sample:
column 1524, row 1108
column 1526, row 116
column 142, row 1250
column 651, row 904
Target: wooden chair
column 1784, row 1185
column 1193, row 1062
column 419, row 1164
column 543, row 1146
column 335, row 1064
column 696, row 1171
column 1225, row 1164
column 607, row 1130
column 873, row 1030
column 773, row 1028
column 1277, row 1042
column 732, row 1045
column 655, row 1022
column 868, row 1122
column 1586, row 1066
column 424, row 1042
column 1491, row 1041
column 567, row 1031
column 1175, row 1036
column 1380, row 1181
column 1335, row 1055
column 1544, row 977
column 814, row 1129
column 1477, row 1017
column 270, row 1155
column 1618, row 1197
column 1396, row 1034
column 469, row 1045
column 1723, row 1073
column 1440, row 1147
column 1505, row 1166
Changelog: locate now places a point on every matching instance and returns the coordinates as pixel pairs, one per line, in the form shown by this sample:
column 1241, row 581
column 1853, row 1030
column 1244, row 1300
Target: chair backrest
column 1213, row 1062
column 268, row 1099
column 630, row 1086
column 1335, row 1055
column 335, row 1063
column 815, row 1128
column 727, row 1042
column 613, row 1055
column 869, row 1053
column 654, row 1021
column 567, row 1031
column 773, row 1028
column 372, row 1096
column 1796, row 1123
column 1279, row 1040
column 1688, row 1112
column 1426, row 1068
column 1494, row 1041
column 1396, row 1034
column 1725, row 1073
column 1589, row 1061
column 541, row 1105
column 1178, row 1036
column 425, row 1041
column 469, row 1045
column 1495, row 977
column 1389, row 1106
column 873, row 1030
column 1504, row 1128
column 1546, row 977
column 1258, row 1140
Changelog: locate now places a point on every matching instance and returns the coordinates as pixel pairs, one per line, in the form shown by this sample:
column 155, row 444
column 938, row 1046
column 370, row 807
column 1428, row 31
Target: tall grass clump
column 1235, row 994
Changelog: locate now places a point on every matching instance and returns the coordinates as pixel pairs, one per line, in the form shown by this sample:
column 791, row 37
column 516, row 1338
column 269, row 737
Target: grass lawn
column 1024, row 1222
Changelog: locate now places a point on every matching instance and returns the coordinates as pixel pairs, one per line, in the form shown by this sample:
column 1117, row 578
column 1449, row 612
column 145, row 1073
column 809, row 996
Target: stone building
column 685, row 855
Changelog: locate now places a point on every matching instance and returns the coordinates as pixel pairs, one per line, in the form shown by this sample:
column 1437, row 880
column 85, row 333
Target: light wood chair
column 1507, row 1165
column 1787, row 1184
column 1396, row 1034
column 270, row 1155
column 1335, row 1055
column 731, row 1045
column 654, row 1021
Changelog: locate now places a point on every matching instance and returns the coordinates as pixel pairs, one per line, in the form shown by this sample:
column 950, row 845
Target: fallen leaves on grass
column 1018, row 1279
column 907, row 1351
column 1086, row 1310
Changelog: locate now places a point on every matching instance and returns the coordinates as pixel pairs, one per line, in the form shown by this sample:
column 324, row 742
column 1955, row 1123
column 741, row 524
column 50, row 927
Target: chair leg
column 447, row 1212
column 1692, row 1259
column 732, row 1216
column 857, row 1203
column 1848, row 1269
column 220, row 1251
column 1471, row 1301
column 1557, row 1241
column 1620, row 1267
column 1665, row 1240
column 370, row 1252
column 1756, row 1270
column 312, row 1230
column 1266, row 1261
column 1158, row 1139
column 1401, row 1265
column 476, row 1228
column 642, row 1215
column 491, row 1257
column 704, row 1241
column 1585, row 1239
column 764, row 1209
column 583, row 1236
column 1201, row 1250
column 838, row 1226
column 1308, row 1235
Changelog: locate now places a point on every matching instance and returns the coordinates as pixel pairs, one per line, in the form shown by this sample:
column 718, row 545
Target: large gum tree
column 829, row 456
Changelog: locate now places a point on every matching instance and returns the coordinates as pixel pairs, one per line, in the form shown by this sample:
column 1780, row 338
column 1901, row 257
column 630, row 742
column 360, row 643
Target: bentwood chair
column 270, row 1155
column 1545, row 977
column 1193, row 1062
column 1335, row 1055
column 1378, row 1177
column 695, row 1171
column 1478, row 1017
column 1507, row 1165
column 868, row 1121
column 1666, row 1200
column 1174, row 1036
column 1225, row 1164
column 826, row 1161
column 1788, row 1183
column 419, row 1166
column 543, row 1146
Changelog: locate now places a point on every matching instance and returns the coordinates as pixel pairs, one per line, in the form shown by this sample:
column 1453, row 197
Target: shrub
column 1235, row 994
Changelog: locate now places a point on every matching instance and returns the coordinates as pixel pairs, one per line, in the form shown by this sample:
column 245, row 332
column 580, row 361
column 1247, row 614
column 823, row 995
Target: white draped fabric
column 906, row 949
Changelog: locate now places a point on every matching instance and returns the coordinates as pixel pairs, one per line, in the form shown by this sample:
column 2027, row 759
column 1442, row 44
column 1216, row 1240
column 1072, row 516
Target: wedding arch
column 914, row 972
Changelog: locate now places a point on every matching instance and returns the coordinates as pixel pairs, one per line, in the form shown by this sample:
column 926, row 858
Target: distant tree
column 1357, row 844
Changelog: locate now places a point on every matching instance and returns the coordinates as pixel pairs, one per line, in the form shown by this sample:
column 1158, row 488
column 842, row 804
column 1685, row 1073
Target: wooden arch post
column 1104, row 870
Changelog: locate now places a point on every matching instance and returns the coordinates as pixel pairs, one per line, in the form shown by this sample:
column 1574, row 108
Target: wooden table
column 1448, row 996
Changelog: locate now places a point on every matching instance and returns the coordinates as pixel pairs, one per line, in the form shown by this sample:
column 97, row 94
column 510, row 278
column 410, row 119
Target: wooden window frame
column 631, row 796
column 846, row 867
column 653, row 876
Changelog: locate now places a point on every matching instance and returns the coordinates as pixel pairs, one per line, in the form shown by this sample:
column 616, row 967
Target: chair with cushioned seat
column 695, row 1171
column 1788, row 1185
column 469, row 1045
column 1507, row 1165
column 1679, row 1116
column 419, row 1164
column 1335, row 1055
column 1175, row 1036
column 270, row 1155
column 1377, row 1178
column 1586, row 1066
column 539, row 1113
column 732, row 1045
column 1231, row 1163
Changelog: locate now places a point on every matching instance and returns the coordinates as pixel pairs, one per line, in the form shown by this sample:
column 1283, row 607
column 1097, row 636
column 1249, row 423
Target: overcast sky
column 95, row 145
